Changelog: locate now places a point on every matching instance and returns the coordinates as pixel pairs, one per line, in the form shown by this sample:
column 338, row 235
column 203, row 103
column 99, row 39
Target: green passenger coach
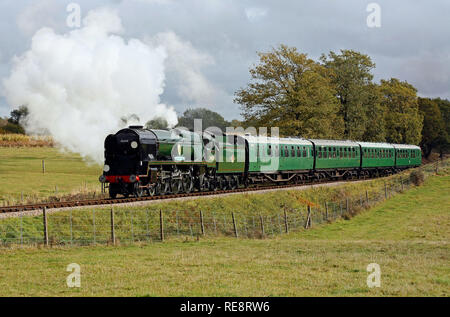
column 278, row 159
column 336, row 158
column 407, row 155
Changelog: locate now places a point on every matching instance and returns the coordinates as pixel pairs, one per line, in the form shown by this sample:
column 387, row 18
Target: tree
column 433, row 131
column 209, row 119
column 403, row 120
column 358, row 97
column 157, row 123
column 444, row 107
column 236, row 123
column 12, row 128
column 18, row 115
column 292, row 92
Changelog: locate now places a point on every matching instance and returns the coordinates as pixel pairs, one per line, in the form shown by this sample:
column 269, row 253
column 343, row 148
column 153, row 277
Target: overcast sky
column 412, row 43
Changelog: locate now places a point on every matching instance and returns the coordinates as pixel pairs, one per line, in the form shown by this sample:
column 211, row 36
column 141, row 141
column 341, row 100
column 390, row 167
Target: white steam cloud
column 79, row 85
column 184, row 66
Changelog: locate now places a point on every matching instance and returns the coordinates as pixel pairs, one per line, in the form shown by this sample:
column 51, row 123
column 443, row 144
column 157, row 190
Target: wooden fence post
column 401, row 181
column 326, row 211
column 385, row 190
column 44, row 214
column 113, row 233
column 93, row 226
column 308, row 218
column 201, row 223
column 286, row 228
column 347, row 206
column 161, row 225
column 43, row 166
column 262, row 225
column 71, row 227
column 234, row 225
column 367, row 197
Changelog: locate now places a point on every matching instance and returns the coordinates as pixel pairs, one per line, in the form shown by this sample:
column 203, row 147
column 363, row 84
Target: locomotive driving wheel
column 151, row 191
column 188, row 184
column 213, row 185
column 222, row 183
column 176, row 186
column 138, row 191
column 164, row 187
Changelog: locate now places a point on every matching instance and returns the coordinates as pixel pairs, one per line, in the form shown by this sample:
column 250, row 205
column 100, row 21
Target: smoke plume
column 80, row 86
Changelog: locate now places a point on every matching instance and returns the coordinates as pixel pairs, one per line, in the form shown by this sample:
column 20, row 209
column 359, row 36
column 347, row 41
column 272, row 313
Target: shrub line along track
column 110, row 201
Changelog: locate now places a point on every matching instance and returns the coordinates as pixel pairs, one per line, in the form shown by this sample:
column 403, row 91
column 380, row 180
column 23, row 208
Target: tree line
column 336, row 98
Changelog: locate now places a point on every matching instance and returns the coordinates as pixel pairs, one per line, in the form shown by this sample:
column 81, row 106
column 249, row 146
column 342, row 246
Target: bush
column 13, row 128
column 417, row 177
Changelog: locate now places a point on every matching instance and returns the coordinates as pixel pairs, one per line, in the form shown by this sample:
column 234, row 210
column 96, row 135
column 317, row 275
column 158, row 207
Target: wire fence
column 121, row 226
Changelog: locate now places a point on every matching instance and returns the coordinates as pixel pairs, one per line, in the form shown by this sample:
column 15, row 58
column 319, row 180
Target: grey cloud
column 412, row 43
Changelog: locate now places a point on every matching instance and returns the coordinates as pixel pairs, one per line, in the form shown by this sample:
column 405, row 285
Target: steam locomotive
column 141, row 161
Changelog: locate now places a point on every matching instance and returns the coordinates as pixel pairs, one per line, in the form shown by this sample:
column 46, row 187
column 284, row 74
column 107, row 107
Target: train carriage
column 336, row 158
column 278, row 159
column 377, row 158
column 407, row 156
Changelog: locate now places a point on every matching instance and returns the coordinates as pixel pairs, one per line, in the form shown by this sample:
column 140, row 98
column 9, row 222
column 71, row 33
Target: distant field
column 408, row 236
column 20, row 140
column 21, row 171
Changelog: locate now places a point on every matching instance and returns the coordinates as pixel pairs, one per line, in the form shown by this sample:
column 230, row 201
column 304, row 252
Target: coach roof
column 272, row 140
column 376, row 145
column 334, row 142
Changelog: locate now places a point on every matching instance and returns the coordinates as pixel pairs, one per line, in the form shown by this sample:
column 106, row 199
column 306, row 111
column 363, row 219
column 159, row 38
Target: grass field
column 21, row 171
column 408, row 236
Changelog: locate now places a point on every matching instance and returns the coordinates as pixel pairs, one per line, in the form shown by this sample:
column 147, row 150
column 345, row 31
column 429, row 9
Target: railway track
column 110, row 201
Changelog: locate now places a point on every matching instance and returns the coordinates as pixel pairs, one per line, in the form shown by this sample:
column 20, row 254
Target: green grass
column 21, row 171
column 408, row 236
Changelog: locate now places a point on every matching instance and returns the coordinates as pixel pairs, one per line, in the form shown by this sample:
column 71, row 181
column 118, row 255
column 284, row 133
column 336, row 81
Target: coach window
column 292, row 151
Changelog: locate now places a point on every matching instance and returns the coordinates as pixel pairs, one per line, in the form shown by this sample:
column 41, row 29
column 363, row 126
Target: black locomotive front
column 127, row 154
